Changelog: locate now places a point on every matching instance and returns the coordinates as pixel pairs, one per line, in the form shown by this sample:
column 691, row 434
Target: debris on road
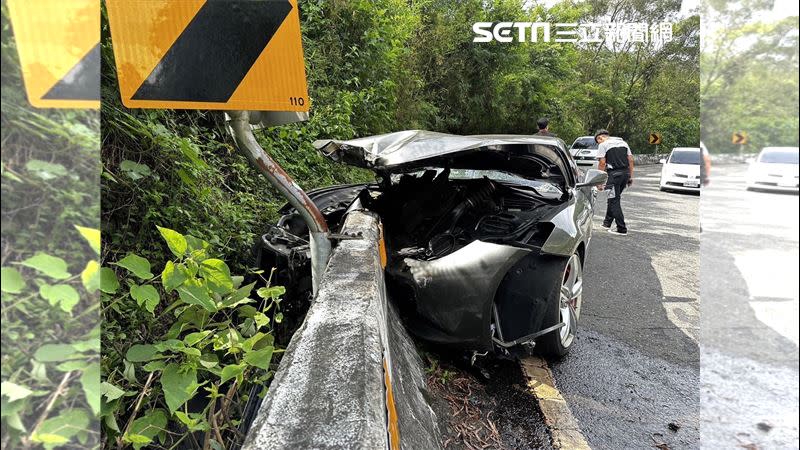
column 476, row 412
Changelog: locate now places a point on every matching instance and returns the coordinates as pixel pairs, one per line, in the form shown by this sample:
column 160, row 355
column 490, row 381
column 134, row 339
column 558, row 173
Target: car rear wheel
column 564, row 308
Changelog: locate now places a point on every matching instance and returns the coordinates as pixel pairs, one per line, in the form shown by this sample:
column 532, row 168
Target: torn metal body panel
column 481, row 232
column 453, row 295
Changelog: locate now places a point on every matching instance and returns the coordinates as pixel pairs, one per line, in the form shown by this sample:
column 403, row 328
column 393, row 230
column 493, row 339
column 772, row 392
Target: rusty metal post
column 318, row 228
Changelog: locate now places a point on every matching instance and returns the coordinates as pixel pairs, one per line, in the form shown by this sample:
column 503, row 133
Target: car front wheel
column 564, row 308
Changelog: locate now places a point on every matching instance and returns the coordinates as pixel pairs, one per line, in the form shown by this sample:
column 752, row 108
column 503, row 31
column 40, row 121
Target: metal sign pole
column 318, row 228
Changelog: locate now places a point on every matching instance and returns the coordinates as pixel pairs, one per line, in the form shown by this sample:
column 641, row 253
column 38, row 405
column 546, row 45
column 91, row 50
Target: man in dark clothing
column 543, row 125
column 616, row 159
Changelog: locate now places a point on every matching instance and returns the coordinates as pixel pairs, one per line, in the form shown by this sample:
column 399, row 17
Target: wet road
column 749, row 339
column 632, row 380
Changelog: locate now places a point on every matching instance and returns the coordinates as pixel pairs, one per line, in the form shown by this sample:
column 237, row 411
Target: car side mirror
column 662, row 161
column 593, row 178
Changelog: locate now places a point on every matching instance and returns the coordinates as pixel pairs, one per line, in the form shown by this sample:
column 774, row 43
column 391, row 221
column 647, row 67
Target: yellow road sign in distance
column 59, row 51
column 654, row 138
column 739, row 138
column 198, row 54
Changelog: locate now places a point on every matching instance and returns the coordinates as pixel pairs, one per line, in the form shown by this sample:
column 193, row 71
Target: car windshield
column 685, row 157
column 581, row 143
column 779, row 157
column 543, row 188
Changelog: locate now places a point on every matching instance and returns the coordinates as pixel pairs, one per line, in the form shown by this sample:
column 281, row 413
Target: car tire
column 563, row 307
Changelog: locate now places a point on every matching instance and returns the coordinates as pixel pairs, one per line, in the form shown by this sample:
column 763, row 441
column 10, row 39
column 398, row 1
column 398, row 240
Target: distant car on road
column 775, row 169
column 681, row 170
column 584, row 152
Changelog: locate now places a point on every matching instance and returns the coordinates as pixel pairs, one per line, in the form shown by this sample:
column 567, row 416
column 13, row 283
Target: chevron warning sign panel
column 59, row 51
column 654, row 138
column 209, row 54
column 739, row 138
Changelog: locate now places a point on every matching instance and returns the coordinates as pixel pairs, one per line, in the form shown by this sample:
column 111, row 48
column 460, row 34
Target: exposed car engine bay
column 428, row 215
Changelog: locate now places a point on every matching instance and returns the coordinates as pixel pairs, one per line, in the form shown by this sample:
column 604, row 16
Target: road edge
column 564, row 429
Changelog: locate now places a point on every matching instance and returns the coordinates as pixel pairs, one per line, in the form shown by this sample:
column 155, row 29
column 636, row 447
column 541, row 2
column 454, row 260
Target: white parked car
column 681, row 170
column 584, row 152
column 775, row 169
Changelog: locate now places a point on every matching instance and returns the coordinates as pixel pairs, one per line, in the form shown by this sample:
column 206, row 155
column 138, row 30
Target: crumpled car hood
column 402, row 151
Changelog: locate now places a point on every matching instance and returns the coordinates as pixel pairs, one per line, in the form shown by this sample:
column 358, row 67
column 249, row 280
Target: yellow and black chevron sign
column 654, row 138
column 199, row 54
column 739, row 138
column 59, row 51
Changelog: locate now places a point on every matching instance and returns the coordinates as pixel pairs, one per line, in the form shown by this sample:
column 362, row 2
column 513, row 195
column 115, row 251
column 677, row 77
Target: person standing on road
column 616, row 159
column 544, row 130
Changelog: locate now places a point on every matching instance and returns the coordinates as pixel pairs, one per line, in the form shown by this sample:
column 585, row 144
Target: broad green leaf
column 51, row 266
column 197, row 295
column 152, row 366
column 62, row 295
column 238, row 297
column 87, row 345
column 261, row 319
column 45, row 170
column 257, row 342
column 92, row 236
column 137, row 265
column 209, row 360
column 173, row 276
column 137, row 440
column 141, row 353
column 175, row 241
column 178, row 384
column 55, row 352
column 193, row 338
column 60, row 429
column 217, row 274
column 134, row 170
column 108, row 281
column 191, row 351
column 129, row 372
column 70, row 366
column 39, row 371
column 259, row 358
column 169, row 344
column 111, row 392
column 193, row 421
column 90, row 277
column 145, row 428
column 14, row 391
column 231, row 371
column 146, row 295
column 12, row 282
column 92, row 389
column 195, row 243
column 272, row 292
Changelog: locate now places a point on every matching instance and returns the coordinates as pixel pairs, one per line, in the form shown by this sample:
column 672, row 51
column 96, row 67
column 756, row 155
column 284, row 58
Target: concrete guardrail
column 350, row 377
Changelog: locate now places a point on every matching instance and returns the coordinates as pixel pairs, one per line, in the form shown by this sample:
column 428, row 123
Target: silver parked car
column 485, row 235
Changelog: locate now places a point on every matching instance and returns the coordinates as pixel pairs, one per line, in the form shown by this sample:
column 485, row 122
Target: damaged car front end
column 485, row 235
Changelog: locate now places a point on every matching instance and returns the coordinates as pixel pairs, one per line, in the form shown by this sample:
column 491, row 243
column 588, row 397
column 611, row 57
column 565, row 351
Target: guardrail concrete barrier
column 350, row 377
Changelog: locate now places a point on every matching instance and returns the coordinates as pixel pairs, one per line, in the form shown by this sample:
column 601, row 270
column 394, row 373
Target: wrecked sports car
column 485, row 235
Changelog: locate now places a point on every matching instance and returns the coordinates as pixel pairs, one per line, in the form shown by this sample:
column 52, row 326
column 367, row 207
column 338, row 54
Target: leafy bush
column 218, row 345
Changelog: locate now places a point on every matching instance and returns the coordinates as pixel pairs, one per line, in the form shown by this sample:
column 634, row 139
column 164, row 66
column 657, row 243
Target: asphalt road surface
column 632, row 380
column 749, row 340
